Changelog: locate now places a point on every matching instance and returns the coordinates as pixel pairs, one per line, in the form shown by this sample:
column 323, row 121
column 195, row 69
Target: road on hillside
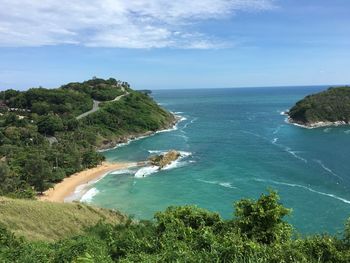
column 96, row 105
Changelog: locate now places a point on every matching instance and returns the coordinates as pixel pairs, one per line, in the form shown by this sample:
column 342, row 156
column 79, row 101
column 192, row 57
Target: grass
column 47, row 221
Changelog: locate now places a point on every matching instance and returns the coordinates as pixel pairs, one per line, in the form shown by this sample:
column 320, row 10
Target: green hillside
column 50, row 221
column 330, row 106
column 48, row 134
column 257, row 233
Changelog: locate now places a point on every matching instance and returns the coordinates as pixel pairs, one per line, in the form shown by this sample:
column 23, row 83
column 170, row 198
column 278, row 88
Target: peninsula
column 47, row 135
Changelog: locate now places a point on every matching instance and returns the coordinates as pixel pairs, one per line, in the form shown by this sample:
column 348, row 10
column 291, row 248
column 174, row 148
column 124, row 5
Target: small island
column 327, row 108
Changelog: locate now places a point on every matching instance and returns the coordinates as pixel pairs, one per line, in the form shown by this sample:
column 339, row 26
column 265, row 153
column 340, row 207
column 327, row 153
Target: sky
column 162, row 44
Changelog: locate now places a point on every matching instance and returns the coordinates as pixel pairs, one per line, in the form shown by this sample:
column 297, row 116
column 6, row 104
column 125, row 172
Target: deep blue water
column 240, row 146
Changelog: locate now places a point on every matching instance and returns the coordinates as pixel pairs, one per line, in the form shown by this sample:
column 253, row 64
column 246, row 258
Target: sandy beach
column 65, row 188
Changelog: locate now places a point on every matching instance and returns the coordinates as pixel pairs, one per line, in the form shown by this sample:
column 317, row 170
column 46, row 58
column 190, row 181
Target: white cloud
column 116, row 23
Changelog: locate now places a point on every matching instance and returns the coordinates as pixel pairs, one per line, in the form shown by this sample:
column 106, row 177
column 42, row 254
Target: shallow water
column 240, row 146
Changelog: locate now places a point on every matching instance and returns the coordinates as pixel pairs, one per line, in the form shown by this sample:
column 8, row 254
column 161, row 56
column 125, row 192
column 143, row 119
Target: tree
column 38, row 172
column 49, row 124
column 261, row 220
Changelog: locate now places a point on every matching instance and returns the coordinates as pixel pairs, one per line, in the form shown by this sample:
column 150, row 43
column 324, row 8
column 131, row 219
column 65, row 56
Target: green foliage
column 42, row 141
column 328, row 106
column 99, row 89
column 188, row 234
column 49, row 124
column 262, row 220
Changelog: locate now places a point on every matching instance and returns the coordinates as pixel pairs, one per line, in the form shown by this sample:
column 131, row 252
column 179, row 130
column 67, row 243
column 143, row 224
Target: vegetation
column 47, row 221
column 42, row 141
column 257, row 233
column 332, row 105
column 99, row 89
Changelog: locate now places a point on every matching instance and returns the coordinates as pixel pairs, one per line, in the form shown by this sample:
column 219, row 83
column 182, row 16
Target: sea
column 235, row 143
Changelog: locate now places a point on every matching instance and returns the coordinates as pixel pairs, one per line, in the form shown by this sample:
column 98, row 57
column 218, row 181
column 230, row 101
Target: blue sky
column 158, row 44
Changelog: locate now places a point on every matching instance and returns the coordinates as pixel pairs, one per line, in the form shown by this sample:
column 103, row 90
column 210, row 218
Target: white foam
column 155, row 151
column 294, row 153
column 223, row 184
column 146, row 171
column 274, row 140
column 125, row 171
column 89, row 195
column 327, row 169
column 306, row 188
column 277, row 129
column 284, row 112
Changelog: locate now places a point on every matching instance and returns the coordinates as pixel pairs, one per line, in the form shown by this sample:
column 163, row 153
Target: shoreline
column 59, row 192
column 315, row 125
column 66, row 189
column 135, row 137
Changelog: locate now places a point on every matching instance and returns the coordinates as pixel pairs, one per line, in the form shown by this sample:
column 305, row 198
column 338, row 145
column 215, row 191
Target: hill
column 48, row 221
column 49, row 134
column 257, row 233
column 330, row 107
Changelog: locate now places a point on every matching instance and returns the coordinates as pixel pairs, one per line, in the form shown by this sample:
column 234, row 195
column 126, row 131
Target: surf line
column 305, row 188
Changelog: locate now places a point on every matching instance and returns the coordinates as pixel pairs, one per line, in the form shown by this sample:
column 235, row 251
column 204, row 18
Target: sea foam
column 306, row 188
column 223, row 184
column 148, row 170
column 89, row 195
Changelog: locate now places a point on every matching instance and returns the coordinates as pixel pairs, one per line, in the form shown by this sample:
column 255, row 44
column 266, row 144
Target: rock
column 164, row 159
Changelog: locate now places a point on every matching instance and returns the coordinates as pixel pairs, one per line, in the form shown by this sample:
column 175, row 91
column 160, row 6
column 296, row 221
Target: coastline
column 314, row 125
column 64, row 189
column 110, row 145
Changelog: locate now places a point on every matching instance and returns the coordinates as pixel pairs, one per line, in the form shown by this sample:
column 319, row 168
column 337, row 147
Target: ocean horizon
column 235, row 144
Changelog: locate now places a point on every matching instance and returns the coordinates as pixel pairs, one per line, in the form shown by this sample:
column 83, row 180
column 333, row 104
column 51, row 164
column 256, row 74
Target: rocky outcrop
column 163, row 160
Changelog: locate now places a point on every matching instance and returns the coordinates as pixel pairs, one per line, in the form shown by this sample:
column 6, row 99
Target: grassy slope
column 51, row 221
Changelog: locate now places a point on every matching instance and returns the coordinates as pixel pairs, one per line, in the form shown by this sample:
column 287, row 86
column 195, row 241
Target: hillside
column 48, row 134
column 51, row 221
column 322, row 109
column 258, row 233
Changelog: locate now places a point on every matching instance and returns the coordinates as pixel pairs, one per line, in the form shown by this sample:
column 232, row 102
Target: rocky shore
column 314, row 125
column 113, row 143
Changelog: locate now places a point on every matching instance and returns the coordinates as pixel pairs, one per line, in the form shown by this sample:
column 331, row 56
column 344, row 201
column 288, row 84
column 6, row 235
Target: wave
column 277, row 129
column 89, row 195
column 190, row 122
column 305, row 188
column 327, row 169
column 274, row 142
column 155, row 151
column 294, row 153
column 223, row 184
column 347, row 132
column 148, row 170
column 285, row 112
column 327, row 130
column 124, row 171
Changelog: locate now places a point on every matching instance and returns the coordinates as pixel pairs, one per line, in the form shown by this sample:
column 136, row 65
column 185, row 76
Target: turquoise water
column 240, row 146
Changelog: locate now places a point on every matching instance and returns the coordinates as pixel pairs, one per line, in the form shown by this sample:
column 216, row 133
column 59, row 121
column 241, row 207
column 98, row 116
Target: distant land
column 326, row 108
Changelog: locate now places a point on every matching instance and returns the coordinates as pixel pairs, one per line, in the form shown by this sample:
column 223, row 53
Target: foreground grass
column 48, row 221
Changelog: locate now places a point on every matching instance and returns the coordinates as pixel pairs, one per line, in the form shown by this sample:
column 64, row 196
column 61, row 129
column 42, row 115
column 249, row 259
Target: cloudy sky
column 175, row 44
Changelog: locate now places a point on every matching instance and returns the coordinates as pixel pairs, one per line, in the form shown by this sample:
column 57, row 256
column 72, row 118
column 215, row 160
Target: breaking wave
column 89, row 195
column 305, row 188
column 223, row 184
